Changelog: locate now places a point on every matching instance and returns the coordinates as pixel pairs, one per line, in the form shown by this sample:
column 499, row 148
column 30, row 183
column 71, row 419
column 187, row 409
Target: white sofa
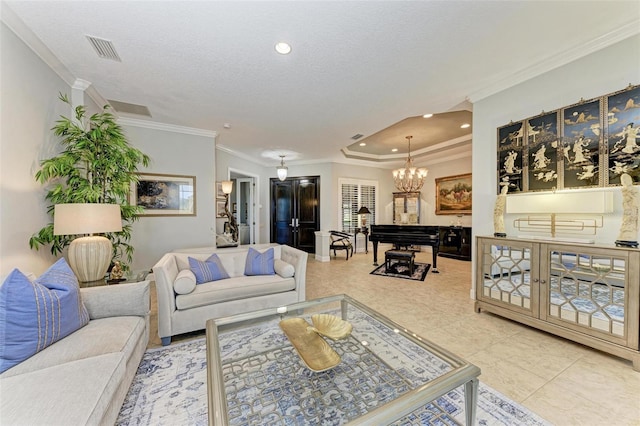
column 83, row 378
column 183, row 313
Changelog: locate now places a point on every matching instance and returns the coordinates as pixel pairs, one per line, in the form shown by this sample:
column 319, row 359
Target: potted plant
column 97, row 165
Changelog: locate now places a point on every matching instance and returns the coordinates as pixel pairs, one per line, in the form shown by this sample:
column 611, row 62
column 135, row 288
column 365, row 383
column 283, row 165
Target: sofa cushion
column 259, row 263
column 185, row 282
column 208, row 270
column 83, row 391
column 237, row 288
column 284, row 269
column 101, row 336
column 34, row 315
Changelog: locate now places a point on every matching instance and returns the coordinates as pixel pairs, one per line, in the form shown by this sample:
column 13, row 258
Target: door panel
column 282, row 212
column 295, row 210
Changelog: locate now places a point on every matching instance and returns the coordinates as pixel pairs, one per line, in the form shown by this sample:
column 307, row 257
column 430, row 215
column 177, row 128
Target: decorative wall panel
column 587, row 144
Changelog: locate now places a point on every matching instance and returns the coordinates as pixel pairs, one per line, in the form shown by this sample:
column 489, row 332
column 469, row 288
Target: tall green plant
column 97, row 165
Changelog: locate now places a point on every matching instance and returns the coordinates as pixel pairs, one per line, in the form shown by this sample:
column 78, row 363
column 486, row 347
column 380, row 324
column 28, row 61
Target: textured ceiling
column 356, row 67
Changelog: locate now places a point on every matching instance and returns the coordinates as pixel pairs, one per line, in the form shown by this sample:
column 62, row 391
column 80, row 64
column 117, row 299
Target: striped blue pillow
column 208, row 270
column 259, row 263
column 36, row 314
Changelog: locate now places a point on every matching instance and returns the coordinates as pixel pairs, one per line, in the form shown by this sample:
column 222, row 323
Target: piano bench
column 403, row 257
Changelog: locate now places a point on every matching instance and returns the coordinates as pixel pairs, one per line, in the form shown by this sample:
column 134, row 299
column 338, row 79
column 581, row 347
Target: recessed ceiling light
column 465, row 125
column 283, row 48
column 363, row 144
column 394, row 150
column 427, row 115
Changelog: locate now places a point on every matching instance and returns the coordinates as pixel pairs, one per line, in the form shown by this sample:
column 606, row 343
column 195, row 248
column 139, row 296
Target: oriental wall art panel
column 587, row 144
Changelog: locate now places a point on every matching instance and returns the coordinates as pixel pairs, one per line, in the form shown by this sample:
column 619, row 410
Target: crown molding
column 621, row 33
column 147, row 124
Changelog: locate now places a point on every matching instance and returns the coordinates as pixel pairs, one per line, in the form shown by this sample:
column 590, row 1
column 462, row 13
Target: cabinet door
column 587, row 289
column 508, row 274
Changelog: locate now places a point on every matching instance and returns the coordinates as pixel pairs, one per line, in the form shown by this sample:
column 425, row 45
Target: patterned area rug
column 402, row 271
column 170, row 387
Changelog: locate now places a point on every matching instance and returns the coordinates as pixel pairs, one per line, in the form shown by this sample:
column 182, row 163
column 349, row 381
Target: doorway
column 242, row 204
column 295, row 212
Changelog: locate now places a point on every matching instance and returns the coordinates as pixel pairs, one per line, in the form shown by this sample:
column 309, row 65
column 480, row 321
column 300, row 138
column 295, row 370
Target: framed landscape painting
column 453, row 194
column 164, row 195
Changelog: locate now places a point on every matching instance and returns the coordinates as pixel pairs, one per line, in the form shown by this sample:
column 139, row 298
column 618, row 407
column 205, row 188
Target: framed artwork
column 510, row 150
column 220, row 208
column 623, row 135
column 543, row 141
column 453, row 194
column 581, row 135
column 164, row 195
column 219, row 193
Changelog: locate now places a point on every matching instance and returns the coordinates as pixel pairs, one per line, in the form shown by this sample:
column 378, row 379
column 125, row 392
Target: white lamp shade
column 86, row 218
column 227, row 186
column 282, row 172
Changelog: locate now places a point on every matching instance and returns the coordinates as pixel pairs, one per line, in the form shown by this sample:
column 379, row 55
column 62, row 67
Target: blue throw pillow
column 36, row 314
column 259, row 263
column 208, row 270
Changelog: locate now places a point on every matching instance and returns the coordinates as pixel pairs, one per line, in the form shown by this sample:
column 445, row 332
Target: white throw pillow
column 284, row 269
column 185, row 282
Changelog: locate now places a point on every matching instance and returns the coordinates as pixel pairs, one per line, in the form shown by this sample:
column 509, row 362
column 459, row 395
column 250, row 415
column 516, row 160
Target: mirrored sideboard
column 583, row 292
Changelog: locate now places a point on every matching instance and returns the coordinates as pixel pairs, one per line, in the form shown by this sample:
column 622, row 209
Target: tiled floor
column 564, row 382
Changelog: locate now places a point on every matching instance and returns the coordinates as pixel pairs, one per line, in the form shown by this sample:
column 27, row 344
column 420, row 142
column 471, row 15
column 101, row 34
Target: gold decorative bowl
column 331, row 326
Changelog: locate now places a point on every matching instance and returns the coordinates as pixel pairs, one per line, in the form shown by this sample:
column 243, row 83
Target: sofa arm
column 298, row 259
column 117, row 300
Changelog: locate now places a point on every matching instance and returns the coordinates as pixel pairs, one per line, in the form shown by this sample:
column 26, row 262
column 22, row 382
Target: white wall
column 597, row 74
column 30, row 107
column 177, row 154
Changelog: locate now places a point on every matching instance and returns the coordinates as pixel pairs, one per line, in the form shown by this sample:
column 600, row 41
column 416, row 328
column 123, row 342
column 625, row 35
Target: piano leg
column 434, row 254
column 375, row 253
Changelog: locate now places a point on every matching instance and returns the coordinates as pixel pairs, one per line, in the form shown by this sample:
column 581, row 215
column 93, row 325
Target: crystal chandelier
column 409, row 178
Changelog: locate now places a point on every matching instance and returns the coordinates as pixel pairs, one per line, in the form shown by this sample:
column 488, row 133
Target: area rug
column 170, row 387
column 402, row 271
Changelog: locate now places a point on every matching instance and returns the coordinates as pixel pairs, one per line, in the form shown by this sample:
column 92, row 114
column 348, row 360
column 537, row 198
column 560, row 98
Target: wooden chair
column 340, row 241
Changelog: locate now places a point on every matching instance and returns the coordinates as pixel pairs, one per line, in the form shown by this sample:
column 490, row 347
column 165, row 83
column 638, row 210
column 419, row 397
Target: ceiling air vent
column 104, row 48
column 130, row 108
column 356, row 137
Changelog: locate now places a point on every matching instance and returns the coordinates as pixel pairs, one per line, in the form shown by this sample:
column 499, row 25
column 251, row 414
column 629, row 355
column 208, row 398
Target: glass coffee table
column 386, row 375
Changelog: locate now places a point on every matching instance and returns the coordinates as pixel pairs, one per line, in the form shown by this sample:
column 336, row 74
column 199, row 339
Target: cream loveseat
column 83, row 378
column 182, row 309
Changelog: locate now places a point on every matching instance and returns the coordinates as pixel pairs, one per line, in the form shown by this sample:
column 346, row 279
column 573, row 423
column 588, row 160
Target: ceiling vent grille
column 130, row 108
column 104, row 48
column 356, row 137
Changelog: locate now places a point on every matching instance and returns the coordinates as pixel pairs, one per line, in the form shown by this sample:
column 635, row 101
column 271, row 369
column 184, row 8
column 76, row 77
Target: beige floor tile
column 506, row 377
column 562, row 407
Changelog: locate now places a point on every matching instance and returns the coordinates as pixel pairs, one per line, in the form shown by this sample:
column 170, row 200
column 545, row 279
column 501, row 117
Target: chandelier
column 409, row 178
column 282, row 169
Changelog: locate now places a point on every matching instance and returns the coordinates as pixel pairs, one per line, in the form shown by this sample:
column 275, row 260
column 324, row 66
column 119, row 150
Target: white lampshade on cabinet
column 89, row 256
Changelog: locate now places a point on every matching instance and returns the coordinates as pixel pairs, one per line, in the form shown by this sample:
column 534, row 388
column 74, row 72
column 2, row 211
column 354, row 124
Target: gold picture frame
column 453, row 194
column 164, row 194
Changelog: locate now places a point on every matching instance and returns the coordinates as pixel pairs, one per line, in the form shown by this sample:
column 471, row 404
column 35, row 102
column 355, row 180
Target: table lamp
column 363, row 211
column 89, row 256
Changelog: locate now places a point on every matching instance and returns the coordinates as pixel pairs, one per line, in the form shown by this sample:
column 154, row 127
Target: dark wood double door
column 295, row 212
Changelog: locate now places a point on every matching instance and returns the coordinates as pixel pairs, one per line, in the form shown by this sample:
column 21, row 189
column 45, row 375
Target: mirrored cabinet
column 583, row 292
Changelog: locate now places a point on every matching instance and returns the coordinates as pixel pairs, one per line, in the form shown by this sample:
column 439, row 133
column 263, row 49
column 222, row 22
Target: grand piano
column 405, row 235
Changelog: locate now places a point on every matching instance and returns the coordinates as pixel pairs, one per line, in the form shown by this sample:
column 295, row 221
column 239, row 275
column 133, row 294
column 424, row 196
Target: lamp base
column 499, row 234
column 89, row 257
